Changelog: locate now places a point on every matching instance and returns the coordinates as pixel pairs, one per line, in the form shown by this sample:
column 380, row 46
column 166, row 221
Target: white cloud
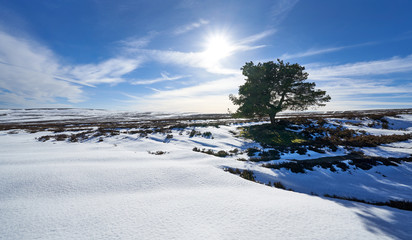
column 132, row 43
column 354, row 85
column 281, row 8
column 190, row 27
column 201, row 59
column 164, row 77
column 256, row 37
column 27, row 73
column 210, row 97
column 369, row 68
column 207, row 96
column 312, row 52
column 109, row 71
column 31, row 74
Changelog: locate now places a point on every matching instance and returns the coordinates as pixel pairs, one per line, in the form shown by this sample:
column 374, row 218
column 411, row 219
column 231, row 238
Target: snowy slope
column 115, row 189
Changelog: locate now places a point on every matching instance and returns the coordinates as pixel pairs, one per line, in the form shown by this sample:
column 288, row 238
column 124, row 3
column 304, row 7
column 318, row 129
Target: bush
column 194, row 133
column 247, row 174
column 222, row 153
column 207, row 135
column 279, row 185
column 251, row 151
column 157, row 152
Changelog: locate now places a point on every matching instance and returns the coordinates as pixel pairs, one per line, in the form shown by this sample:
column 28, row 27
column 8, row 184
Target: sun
column 217, row 48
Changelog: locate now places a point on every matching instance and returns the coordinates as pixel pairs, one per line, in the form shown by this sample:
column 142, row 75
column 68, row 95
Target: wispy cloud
column 164, row 77
column 137, row 42
column 314, row 51
column 311, row 52
column 200, row 59
column 367, row 68
column 209, row 96
column 31, row 74
column 27, row 73
column 190, row 27
column 256, row 37
column 355, row 84
column 281, row 8
column 109, row 71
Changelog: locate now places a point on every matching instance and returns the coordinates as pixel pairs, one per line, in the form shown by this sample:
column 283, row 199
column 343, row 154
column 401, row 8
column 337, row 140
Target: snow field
column 115, row 189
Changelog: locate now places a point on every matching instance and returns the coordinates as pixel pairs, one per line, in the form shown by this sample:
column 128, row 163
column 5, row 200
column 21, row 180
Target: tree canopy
column 272, row 87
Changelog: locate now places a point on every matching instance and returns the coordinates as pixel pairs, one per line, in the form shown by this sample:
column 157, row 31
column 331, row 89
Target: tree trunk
column 272, row 119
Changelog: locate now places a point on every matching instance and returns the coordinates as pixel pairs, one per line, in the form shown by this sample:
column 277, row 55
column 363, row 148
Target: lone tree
column 274, row 87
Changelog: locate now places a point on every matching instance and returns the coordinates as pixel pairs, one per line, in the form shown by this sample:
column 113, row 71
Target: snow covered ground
column 116, row 189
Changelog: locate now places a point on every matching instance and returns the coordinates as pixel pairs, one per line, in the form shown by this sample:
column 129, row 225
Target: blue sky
column 186, row 55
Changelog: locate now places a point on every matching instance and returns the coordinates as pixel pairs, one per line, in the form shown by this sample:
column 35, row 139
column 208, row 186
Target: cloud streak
column 164, row 77
column 27, row 73
column 353, row 85
column 209, row 97
column 190, row 27
column 281, row 8
column 313, row 52
column 200, row 59
column 109, row 71
column 31, row 74
column 367, row 68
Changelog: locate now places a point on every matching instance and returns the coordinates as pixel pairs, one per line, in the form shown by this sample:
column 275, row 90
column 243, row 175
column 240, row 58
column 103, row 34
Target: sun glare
column 217, row 48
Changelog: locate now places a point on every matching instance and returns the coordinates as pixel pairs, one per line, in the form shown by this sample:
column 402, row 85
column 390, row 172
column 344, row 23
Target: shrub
column 247, row 174
column 342, row 166
column 234, row 151
column 207, row 135
column 168, row 138
column 194, row 133
column 279, row 185
column 157, row 152
column 251, row 151
column 222, row 153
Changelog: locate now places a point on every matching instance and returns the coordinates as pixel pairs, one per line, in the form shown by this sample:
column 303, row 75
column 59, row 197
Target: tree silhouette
column 274, row 87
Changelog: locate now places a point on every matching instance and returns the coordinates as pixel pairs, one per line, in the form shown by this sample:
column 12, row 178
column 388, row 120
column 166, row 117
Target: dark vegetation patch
column 269, row 136
column 300, row 134
column 356, row 159
column 264, row 156
column 158, row 152
column 246, row 174
column 400, row 204
column 279, row 185
column 249, row 175
column 220, row 153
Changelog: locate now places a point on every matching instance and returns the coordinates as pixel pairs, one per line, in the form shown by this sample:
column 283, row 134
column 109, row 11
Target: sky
column 186, row 55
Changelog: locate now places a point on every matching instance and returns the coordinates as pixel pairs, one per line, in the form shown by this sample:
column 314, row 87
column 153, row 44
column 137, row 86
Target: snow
column 50, row 114
column 397, row 150
column 115, row 189
column 399, row 125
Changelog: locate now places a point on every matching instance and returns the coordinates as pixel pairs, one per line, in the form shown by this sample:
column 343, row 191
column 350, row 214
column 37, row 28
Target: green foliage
column 273, row 87
column 270, row 136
